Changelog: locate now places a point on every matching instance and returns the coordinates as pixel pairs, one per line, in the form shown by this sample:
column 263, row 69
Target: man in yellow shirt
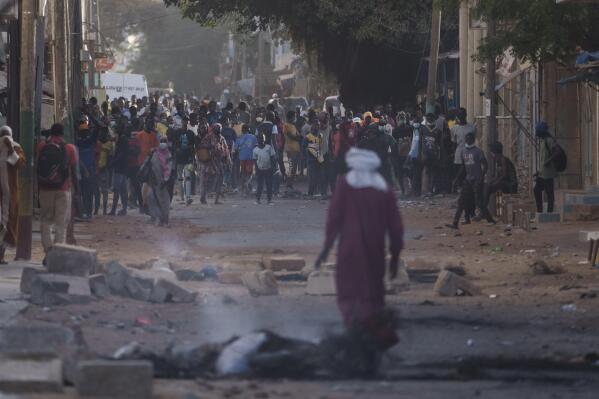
column 293, row 140
column 105, row 148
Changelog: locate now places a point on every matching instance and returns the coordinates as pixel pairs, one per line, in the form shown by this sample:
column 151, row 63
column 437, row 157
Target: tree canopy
column 374, row 48
column 169, row 48
column 538, row 30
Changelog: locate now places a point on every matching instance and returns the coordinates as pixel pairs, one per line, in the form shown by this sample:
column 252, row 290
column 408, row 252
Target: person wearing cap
column 544, row 181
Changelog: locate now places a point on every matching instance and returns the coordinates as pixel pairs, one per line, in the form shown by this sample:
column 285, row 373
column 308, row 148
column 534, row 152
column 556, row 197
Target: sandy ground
column 520, row 317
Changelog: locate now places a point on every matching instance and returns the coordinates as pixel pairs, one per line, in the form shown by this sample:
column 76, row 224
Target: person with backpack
column 552, row 160
column 56, row 163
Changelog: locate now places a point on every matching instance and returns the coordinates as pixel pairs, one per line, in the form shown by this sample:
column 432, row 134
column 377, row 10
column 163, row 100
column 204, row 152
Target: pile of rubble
column 73, row 275
column 44, row 358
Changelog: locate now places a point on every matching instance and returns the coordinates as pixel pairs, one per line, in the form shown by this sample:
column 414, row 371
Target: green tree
column 173, row 48
column 374, row 48
column 538, row 30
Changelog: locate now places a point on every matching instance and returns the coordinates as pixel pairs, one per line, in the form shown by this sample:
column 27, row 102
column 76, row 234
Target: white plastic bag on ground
column 234, row 359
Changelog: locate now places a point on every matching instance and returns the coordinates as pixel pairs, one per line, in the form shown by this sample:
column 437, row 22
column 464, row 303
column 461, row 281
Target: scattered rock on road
column 189, row 275
column 99, row 286
column 27, row 276
column 321, row 282
column 450, row 284
column 71, row 260
column 280, row 263
column 39, row 373
column 115, row 379
column 168, row 291
column 261, row 283
column 235, row 278
column 540, row 267
column 54, row 289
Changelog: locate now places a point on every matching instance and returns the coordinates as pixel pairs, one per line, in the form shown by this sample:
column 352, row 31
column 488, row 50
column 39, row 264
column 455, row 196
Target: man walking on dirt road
column 362, row 212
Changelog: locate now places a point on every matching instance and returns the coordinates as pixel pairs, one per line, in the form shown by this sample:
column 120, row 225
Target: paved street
column 516, row 330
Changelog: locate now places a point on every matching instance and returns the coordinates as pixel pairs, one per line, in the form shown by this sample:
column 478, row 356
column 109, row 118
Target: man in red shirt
column 55, row 189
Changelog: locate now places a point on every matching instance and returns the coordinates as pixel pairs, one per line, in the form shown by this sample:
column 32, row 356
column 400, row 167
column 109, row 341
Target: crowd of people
column 145, row 150
column 149, row 151
column 202, row 147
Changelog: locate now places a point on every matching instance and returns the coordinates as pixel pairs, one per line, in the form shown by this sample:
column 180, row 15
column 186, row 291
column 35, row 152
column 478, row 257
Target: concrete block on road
column 136, row 290
column 71, row 260
column 280, row 263
column 30, row 373
column 175, row 292
column 159, row 294
column 116, row 277
column 46, row 292
column 189, row 275
column 115, row 379
column 98, row 285
column 36, row 339
column 449, row 284
column 230, row 278
column 55, row 289
column 261, row 283
column 27, row 276
column 321, row 282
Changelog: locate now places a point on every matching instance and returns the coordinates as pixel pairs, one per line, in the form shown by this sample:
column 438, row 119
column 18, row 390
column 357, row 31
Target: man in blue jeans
column 265, row 158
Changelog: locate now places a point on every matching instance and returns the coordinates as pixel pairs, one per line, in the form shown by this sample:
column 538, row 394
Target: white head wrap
column 5, row 131
column 363, row 173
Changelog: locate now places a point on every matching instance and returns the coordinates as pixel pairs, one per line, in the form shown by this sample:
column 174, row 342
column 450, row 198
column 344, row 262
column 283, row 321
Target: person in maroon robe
column 362, row 212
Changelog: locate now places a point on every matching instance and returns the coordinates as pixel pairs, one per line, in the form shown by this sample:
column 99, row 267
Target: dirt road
column 519, row 329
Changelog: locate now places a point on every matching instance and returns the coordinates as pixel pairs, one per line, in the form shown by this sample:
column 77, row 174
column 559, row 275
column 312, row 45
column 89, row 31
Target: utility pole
column 491, row 96
column 464, row 25
column 59, row 67
column 27, row 76
column 433, row 63
column 76, row 41
column 89, row 40
column 260, row 73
